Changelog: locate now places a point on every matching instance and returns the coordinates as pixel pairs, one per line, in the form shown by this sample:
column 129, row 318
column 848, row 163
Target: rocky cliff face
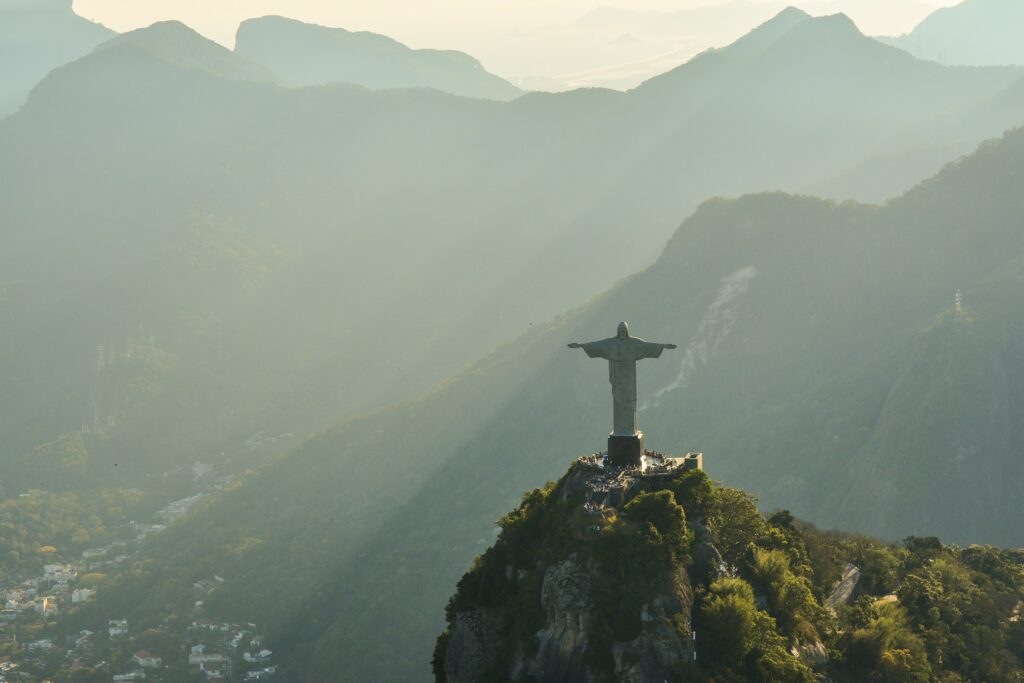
column 561, row 609
column 659, row 575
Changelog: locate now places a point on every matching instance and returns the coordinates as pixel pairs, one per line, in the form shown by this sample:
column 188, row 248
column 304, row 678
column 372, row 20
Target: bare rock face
column 844, row 588
column 659, row 650
column 566, row 599
column 706, row 557
column 558, row 610
column 560, row 647
column 474, row 637
column 814, row 655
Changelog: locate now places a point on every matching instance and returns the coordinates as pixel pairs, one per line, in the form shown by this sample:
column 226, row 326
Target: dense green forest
column 919, row 610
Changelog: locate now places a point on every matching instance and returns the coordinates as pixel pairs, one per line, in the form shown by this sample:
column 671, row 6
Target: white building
column 146, row 660
column 117, row 627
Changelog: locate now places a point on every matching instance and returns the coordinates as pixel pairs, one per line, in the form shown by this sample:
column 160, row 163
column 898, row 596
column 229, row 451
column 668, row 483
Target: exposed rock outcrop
column 473, row 638
column 814, row 655
column 656, row 654
column 844, row 588
column 566, row 597
column 565, row 619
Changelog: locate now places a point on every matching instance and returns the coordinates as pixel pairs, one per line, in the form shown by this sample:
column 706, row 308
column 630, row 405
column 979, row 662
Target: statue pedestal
column 624, row 450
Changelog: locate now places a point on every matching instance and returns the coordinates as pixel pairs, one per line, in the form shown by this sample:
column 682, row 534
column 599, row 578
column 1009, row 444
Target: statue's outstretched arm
column 575, row 345
column 670, row 346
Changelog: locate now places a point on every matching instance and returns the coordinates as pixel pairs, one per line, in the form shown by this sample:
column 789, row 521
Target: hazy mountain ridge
column 175, row 43
column 768, row 405
column 307, row 54
column 36, row 37
column 121, row 152
column 977, row 32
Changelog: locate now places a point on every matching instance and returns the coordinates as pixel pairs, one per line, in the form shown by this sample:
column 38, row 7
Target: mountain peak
column 176, row 43
column 974, row 32
column 170, row 29
column 36, row 36
column 836, row 22
column 310, row 54
column 790, row 13
column 768, row 33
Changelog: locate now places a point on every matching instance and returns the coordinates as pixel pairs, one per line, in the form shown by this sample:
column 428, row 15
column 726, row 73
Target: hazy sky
column 511, row 37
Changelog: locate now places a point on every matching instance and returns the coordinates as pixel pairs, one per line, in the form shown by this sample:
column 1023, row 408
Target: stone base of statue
column 624, row 450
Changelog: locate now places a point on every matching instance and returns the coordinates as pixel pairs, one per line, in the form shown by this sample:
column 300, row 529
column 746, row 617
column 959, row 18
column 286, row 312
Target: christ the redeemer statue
column 625, row 444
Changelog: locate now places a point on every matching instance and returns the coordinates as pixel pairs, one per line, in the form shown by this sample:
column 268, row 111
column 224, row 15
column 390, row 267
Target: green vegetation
column 287, row 197
column 257, row 259
column 41, row 528
column 921, row 612
column 348, row 548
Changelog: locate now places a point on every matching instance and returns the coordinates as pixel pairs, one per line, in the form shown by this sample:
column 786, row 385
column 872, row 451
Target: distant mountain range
column 163, row 188
column 194, row 253
column 975, row 32
column 822, row 363
column 658, row 40
column 175, row 44
column 39, row 36
column 230, row 208
column 35, row 37
column 306, row 54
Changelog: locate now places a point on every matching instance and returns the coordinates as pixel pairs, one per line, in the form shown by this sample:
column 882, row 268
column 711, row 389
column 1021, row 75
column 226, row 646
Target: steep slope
column 161, row 189
column 176, row 44
column 977, row 32
column 960, row 389
column 682, row 580
column 307, row 54
column 808, row 359
column 901, row 104
column 36, row 37
column 918, row 152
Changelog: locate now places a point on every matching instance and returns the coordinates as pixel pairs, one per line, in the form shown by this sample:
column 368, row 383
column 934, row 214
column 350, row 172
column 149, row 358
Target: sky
column 527, row 41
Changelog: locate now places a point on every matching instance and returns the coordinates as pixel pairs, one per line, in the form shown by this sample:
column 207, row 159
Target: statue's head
column 623, row 331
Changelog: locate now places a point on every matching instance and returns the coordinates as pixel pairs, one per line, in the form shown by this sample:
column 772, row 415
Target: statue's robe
column 622, row 355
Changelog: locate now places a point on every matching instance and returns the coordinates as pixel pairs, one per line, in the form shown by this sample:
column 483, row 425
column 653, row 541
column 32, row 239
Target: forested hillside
column 685, row 581
column 822, row 365
column 167, row 205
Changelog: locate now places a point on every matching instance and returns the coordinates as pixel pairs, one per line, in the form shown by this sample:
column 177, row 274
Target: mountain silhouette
column 35, row 37
column 307, row 54
column 821, row 364
column 975, row 32
column 182, row 183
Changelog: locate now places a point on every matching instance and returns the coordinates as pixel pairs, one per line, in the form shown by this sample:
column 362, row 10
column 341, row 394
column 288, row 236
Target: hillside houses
column 137, row 675
column 117, row 627
column 59, row 573
column 32, row 608
column 146, row 660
